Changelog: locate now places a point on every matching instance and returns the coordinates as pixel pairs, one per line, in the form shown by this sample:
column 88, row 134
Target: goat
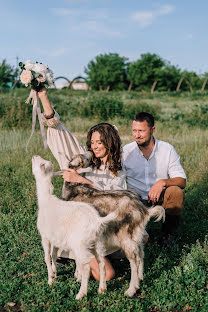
column 74, row 226
column 127, row 231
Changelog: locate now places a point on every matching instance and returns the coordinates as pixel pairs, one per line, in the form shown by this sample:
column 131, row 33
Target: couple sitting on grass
column 148, row 166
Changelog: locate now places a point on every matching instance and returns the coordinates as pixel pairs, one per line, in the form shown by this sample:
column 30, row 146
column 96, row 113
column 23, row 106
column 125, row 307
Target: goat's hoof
column 78, row 277
column 50, row 282
column 141, row 277
column 130, row 292
column 80, row 295
column 54, row 275
column 101, row 290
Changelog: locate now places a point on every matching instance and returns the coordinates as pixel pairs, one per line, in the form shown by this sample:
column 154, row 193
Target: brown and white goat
column 127, row 231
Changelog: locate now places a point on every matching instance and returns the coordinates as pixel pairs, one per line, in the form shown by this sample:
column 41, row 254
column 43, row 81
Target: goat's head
column 80, row 161
column 41, row 167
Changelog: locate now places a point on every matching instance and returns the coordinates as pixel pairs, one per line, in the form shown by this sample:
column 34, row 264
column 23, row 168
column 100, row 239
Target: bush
column 102, row 106
column 197, row 117
column 130, row 110
column 14, row 112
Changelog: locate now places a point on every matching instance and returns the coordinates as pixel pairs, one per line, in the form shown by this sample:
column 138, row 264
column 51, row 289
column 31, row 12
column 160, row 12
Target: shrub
column 103, row 106
column 131, row 109
column 197, row 117
column 15, row 113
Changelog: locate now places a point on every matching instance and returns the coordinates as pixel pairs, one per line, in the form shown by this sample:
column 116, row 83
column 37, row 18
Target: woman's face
column 98, row 147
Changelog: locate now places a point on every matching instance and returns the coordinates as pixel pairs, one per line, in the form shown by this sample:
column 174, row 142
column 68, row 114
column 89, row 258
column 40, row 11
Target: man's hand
column 156, row 190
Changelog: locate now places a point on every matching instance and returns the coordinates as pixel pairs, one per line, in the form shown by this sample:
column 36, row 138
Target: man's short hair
column 142, row 116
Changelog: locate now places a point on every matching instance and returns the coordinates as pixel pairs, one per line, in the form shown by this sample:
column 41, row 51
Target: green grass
column 174, row 280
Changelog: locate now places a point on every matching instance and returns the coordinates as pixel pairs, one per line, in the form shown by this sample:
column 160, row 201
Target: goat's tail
column 109, row 218
column 158, row 212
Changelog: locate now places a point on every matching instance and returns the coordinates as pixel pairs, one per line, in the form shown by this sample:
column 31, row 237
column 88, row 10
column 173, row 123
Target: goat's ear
column 42, row 167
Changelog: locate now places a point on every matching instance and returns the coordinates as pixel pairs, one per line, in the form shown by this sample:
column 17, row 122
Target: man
column 154, row 171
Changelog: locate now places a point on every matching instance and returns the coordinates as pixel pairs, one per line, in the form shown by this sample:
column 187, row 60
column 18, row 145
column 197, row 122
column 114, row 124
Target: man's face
column 142, row 133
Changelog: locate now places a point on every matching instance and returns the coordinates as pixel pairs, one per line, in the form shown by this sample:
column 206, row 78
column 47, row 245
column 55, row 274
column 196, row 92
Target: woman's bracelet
column 49, row 116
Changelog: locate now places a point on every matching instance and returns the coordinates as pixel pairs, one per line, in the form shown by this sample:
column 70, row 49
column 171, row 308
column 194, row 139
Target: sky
column 68, row 34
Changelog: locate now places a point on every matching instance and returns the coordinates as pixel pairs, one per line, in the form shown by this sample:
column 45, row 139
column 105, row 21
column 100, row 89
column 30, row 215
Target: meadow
column 174, row 279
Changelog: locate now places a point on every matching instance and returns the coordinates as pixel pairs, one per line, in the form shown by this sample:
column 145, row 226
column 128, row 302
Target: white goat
column 74, row 226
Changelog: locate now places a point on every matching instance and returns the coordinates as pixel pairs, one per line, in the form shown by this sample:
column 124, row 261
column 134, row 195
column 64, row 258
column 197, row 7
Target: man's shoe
column 168, row 240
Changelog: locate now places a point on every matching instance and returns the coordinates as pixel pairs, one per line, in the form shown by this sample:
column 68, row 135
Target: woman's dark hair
column 111, row 140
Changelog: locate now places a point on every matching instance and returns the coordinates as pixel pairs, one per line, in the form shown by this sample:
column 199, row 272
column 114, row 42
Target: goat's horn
column 58, row 173
column 84, row 170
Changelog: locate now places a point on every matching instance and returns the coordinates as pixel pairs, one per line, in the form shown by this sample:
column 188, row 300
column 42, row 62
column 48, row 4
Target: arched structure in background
column 153, row 87
column 76, row 78
column 61, row 77
column 204, row 84
column 180, row 82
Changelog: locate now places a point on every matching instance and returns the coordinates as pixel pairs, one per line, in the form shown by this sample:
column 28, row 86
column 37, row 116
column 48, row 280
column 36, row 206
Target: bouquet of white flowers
column 36, row 74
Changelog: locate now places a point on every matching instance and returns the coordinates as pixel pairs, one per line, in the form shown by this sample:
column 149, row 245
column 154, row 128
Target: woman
column 104, row 143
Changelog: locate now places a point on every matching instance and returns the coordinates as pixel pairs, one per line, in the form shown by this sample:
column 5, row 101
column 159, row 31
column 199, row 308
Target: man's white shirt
column 142, row 173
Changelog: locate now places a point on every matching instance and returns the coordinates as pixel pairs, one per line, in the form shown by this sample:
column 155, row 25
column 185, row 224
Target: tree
column 168, row 77
column 193, row 78
column 142, row 73
column 107, row 71
column 8, row 74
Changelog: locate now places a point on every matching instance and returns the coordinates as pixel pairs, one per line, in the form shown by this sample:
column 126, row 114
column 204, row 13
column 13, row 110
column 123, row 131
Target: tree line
column 114, row 72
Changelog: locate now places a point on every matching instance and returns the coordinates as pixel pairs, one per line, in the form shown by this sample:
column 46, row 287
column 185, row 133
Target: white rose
column 38, row 68
column 26, row 77
column 49, row 77
column 41, row 77
column 29, row 65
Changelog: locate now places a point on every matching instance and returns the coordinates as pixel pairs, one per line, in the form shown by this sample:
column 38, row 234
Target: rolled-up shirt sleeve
column 175, row 168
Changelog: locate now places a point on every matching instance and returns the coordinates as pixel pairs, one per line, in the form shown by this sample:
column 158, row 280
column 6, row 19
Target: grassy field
column 174, row 280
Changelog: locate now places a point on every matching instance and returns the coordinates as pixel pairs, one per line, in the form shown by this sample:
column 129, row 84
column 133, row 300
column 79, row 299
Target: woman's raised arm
column 43, row 96
column 62, row 143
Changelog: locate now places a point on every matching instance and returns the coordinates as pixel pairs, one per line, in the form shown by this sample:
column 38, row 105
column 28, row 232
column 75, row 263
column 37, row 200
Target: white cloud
column 93, row 28
column 62, row 11
column 189, row 36
column 77, row 1
column 59, row 52
column 146, row 18
column 165, row 9
column 98, row 13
